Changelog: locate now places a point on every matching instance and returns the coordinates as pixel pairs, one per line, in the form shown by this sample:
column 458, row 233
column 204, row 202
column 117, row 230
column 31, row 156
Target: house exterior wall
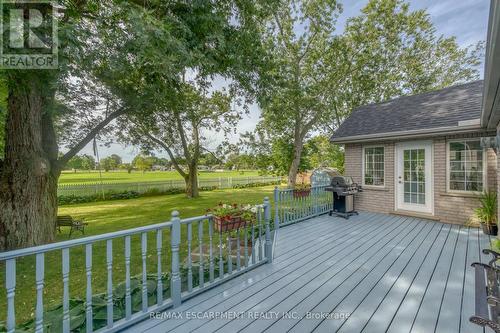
column 449, row 207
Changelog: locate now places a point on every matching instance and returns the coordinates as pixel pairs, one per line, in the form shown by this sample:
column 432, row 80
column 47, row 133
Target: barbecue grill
column 343, row 190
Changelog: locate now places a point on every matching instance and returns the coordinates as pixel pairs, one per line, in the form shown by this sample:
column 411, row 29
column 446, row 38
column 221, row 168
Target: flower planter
column 489, row 229
column 301, row 193
column 229, row 223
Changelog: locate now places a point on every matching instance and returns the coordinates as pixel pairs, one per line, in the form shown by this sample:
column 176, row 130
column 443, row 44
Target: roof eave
column 420, row 133
column 490, row 116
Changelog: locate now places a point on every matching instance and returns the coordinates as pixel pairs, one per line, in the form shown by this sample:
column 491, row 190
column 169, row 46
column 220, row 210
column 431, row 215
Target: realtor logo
column 28, row 38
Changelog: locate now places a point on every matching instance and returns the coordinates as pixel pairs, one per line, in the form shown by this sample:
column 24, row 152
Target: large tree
column 317, row 77
column 120, row 47
column 179, row 126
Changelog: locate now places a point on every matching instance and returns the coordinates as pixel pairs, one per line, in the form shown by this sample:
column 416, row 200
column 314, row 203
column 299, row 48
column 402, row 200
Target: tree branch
column 80, row 145
column 169, row 152
column 211, row 153
column 182, row 134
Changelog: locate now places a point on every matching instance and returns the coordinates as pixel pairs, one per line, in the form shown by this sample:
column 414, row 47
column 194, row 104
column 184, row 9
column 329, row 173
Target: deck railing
column 210, row 258
column 291, row 206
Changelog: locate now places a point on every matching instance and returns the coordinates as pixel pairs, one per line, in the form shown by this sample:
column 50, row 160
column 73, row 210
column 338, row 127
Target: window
column 466, row 166
column 373, row 167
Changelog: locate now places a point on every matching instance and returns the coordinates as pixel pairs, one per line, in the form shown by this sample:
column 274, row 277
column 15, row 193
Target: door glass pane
column 414, row 176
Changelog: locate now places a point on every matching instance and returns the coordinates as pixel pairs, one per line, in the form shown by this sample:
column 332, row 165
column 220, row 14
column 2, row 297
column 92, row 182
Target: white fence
column 97, row 188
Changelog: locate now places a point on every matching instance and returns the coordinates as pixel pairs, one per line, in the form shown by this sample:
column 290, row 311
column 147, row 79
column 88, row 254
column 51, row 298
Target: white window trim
column 485, row 168
column 363, row 167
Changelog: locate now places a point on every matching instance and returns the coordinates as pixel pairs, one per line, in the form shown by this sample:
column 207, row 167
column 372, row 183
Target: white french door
column 414, row 177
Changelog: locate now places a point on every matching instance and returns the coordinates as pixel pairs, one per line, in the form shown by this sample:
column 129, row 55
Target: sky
column 465, row 19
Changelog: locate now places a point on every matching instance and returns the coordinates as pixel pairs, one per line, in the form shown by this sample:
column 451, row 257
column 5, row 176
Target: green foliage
column 320, row 152
column 111, row 162
column 76, row 199
column 487, row 213
column 143, row 163
column 315, row 78
column 495, row 244
column 53, row 317
column 81, row 162
column 256, row 184
column 302, row 187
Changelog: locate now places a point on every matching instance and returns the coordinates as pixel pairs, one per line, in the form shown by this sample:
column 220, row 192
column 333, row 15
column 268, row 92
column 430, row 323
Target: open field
column 109, row 216
column 82, row 177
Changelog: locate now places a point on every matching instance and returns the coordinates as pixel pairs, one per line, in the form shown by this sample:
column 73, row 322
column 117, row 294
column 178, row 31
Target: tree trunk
column 191, row 180
column 294, row 167
column 29, row 174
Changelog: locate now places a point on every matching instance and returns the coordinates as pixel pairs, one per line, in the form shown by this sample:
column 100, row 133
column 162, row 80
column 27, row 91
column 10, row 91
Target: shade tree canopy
column 316, row 76
column 125, row 54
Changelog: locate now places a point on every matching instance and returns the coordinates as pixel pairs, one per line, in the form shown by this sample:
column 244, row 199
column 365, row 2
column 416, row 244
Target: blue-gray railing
column 291, row 206
column 257, row 250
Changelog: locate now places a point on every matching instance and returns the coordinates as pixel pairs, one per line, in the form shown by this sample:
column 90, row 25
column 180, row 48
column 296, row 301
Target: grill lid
column 342, row 181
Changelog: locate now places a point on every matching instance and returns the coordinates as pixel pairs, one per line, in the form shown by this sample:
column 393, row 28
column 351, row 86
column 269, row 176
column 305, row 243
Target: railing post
column 315, row 193
column 175, row 280
column 10, row 286
column 276, row 208
column 267, row 217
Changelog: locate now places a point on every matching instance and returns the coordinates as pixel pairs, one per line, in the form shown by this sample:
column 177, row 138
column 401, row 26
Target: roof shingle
column 441, row 108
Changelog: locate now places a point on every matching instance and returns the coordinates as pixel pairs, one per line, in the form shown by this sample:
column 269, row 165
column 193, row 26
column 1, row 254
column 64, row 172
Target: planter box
column 229, row 223
column 490, row 229
column 301, row 193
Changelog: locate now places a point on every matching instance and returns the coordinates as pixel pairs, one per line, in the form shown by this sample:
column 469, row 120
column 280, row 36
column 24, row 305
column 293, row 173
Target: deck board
column 390, row 273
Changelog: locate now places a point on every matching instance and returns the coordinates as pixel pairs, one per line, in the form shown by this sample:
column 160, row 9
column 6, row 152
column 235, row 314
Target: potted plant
column 230, row 217
column 487, row 213
column 301, row 190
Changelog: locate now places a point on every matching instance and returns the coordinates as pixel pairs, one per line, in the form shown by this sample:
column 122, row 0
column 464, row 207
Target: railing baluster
column 229, row 255
column 253, row 239
column 200, row 244
column 238, row 255
column 288, row 208
column 189, row 258
column 260, row 233
column 246, row 246
column 267, row 218
column 109, row 294
column 88, row 300
column 40, row 273
column 10, row 285
column 221, row 258
column 144, row 249
column 276, row 208
column 211, row 255
column 159, row 293
column 175, row 280
column 65, row 278
column 128, row 298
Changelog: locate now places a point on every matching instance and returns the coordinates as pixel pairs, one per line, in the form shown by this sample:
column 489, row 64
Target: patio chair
column 487, row 302
column 68, row 221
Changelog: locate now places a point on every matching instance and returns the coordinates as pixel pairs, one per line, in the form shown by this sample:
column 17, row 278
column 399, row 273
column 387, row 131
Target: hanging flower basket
column 301, row 193
column 228, row 217
column 229, row 223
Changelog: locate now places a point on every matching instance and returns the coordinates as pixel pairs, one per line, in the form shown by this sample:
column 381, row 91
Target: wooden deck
column 372, row 273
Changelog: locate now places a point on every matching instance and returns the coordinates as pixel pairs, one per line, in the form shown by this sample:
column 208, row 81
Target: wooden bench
column 68, row 221
column 487, row 299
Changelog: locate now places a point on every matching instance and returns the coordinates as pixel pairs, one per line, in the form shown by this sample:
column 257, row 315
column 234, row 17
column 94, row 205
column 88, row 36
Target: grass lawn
column 111, row 216
column 81, row 177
